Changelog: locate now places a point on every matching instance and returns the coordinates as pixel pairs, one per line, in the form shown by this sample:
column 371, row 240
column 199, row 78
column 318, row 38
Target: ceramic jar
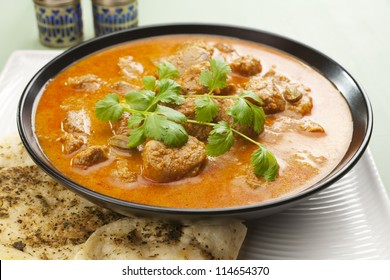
column 59, row 22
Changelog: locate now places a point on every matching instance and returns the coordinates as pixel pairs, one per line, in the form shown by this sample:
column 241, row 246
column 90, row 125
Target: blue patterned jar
column 114, row 15
column 60, row 22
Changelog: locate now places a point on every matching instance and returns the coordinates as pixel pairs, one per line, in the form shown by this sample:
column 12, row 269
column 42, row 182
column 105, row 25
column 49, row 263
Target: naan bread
column 13, row 153
column 9, row 253
column 146, row 239
column 41, row 219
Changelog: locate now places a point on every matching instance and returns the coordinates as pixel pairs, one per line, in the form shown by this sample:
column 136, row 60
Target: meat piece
column 273, row 101
column 89, row 82
column 230, row 88
column 119, row 141
column 77, row 122
column 123, row 173
column 120, row 127
column 225, row 52
column 299, row 103
column 90, row 156
column 246, row 66
column 162, row 164
column 284, row 124
column 224, row 48
column 122, row 87
column 310, row 126
column 192, row 53
column 190, row 80
column 71, row 142
column 277, row 78
column 130, row 68
column 292, row 93
column 254, row 181
column 303, row 107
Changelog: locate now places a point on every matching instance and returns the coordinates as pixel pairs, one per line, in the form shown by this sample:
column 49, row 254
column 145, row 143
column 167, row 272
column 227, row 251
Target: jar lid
column 55, row 3
column 112, row 3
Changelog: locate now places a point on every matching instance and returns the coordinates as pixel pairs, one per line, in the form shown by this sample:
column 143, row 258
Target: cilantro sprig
column 264, row 162
column 150, row 119
column 246, row 113
column 245, row 110
column 206, row 109
column 216, row 78
column 221, row 140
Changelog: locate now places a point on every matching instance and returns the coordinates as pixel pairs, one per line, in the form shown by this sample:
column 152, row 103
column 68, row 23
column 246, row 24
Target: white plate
column 349, row 220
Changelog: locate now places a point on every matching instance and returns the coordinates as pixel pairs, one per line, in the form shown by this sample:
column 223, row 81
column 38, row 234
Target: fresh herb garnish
column 167, row 70
column 246, row 113
column 169, row 92
column 245, row 110
column 221, row 139
column 264, row 163
column 216, row 78
column 163, row 123
column 206, row 109
column 165, row 126
column 149, row 83
column 109, row 109
column 140, row 100
column 150, row 119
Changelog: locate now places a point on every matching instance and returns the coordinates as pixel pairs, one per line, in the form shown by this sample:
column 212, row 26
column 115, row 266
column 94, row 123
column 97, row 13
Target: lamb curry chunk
column 163, row 164
column 200, row 149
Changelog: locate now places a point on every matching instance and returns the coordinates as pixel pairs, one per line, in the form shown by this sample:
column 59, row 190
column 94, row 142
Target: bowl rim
column 185, row 29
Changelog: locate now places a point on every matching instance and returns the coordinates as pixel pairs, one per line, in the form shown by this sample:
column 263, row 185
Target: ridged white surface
column 349, row 220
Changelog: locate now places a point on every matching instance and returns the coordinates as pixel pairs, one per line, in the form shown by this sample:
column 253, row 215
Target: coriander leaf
column 160, row 128
column 216, row 78
column 220, row 140
column 153, row 127
column 149, row 83
column 246, row 113
column 258, row 112
column 206, row 109
column 140, row 99
column 171, row 114
column 135, row 120
column 247, row 94
column 169, row 92
column 176, row 135
column 265, row 164
column 258, row 118
column 167, row 70
column 206, row 79
column 137, row 137
column 241, row 112
column 109, row 108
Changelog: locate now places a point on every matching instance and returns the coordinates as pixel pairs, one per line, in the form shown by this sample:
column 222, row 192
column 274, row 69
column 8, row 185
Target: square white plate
column 349, row 220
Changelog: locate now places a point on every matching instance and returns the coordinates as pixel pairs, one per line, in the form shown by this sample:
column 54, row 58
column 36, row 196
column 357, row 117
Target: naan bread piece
column 13, row 153
column 147, row 239
column 42, row 219
column 8, row 253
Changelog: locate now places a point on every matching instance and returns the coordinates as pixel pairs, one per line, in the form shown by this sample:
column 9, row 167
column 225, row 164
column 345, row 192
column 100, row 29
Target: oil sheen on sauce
column 304, row 158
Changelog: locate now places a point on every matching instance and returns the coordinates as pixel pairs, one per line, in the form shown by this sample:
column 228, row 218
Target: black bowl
column 356, row 98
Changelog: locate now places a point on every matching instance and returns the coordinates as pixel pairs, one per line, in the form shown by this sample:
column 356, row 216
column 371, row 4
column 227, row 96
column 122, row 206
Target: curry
column 307, row 126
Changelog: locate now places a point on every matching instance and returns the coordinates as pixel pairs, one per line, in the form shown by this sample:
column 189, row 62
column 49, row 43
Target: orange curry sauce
column 225, row 181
